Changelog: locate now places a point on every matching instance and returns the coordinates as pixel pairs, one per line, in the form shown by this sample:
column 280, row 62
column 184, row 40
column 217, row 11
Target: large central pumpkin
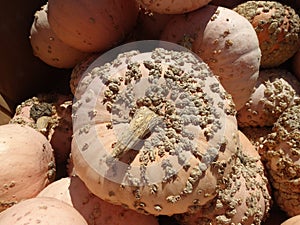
column 154, row 129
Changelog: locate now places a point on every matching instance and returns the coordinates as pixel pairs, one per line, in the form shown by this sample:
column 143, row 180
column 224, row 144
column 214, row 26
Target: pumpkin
column 275, row 91
column 226, row 41
column 172, row 6
column 292, row 220
column 279, row 152
column 296, row 65
column 27, row 164
column 92, row 26
column 48, row 47
column 49, row 114
column 72, row 190
column 277, row 27
column 138, row 140
column 43, row 211
column 243, row 196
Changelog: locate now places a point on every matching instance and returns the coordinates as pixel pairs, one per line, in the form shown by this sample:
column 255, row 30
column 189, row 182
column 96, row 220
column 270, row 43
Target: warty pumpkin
column 92, row 26
column 226, row 41
column 280, row 154
column 50, row 114
column 27, row 164
column 277, row 27
column 243, row 196
column 153, row 130
column 275, row 90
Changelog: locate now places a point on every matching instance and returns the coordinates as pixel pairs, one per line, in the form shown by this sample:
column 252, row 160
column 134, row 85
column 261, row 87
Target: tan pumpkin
column 44, row 211
column 296, row 65
column 226, row 41
column 176, row 166
column 274, row 92
column 172, row 6
column 292, row 221
column 277, row 27
column 48, row 47
column 92, row 26
column 27, row 164
column 49, row 114
column 280, row 153
column 72, row 190
column 243, row 196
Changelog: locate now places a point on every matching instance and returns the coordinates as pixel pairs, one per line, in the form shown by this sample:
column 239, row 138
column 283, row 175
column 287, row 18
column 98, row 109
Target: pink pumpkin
column 73, row 191
column 42, row 211
column 27, row 164
column 226, row 41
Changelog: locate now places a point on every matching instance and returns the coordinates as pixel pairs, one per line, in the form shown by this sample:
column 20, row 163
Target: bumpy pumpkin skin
column 72, row 190
column 280, row 153
column 224, row 40
column 27, row 164
column 244, row 197
column 48, row 47
column 172, row 6
column 92, row 26
column 170, row 189
column 277, row 27
column 275, row 90
column 42, row 210
column 49, row 114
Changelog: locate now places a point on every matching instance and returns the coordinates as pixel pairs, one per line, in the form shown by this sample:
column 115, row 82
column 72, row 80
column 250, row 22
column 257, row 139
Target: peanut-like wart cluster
column 166, row 114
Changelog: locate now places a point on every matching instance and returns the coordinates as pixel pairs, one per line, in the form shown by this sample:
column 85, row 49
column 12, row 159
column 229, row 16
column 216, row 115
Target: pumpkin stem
column 143, row 121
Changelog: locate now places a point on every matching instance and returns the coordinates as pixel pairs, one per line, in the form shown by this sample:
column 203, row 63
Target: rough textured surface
column 274, row 92
column 280, row 153
column 226, row 41
column 277, row 27
column 49, row 114
column 178, row 164
column 243, row 195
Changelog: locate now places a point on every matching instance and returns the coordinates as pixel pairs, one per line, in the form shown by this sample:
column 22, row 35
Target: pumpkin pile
column 171, row 112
